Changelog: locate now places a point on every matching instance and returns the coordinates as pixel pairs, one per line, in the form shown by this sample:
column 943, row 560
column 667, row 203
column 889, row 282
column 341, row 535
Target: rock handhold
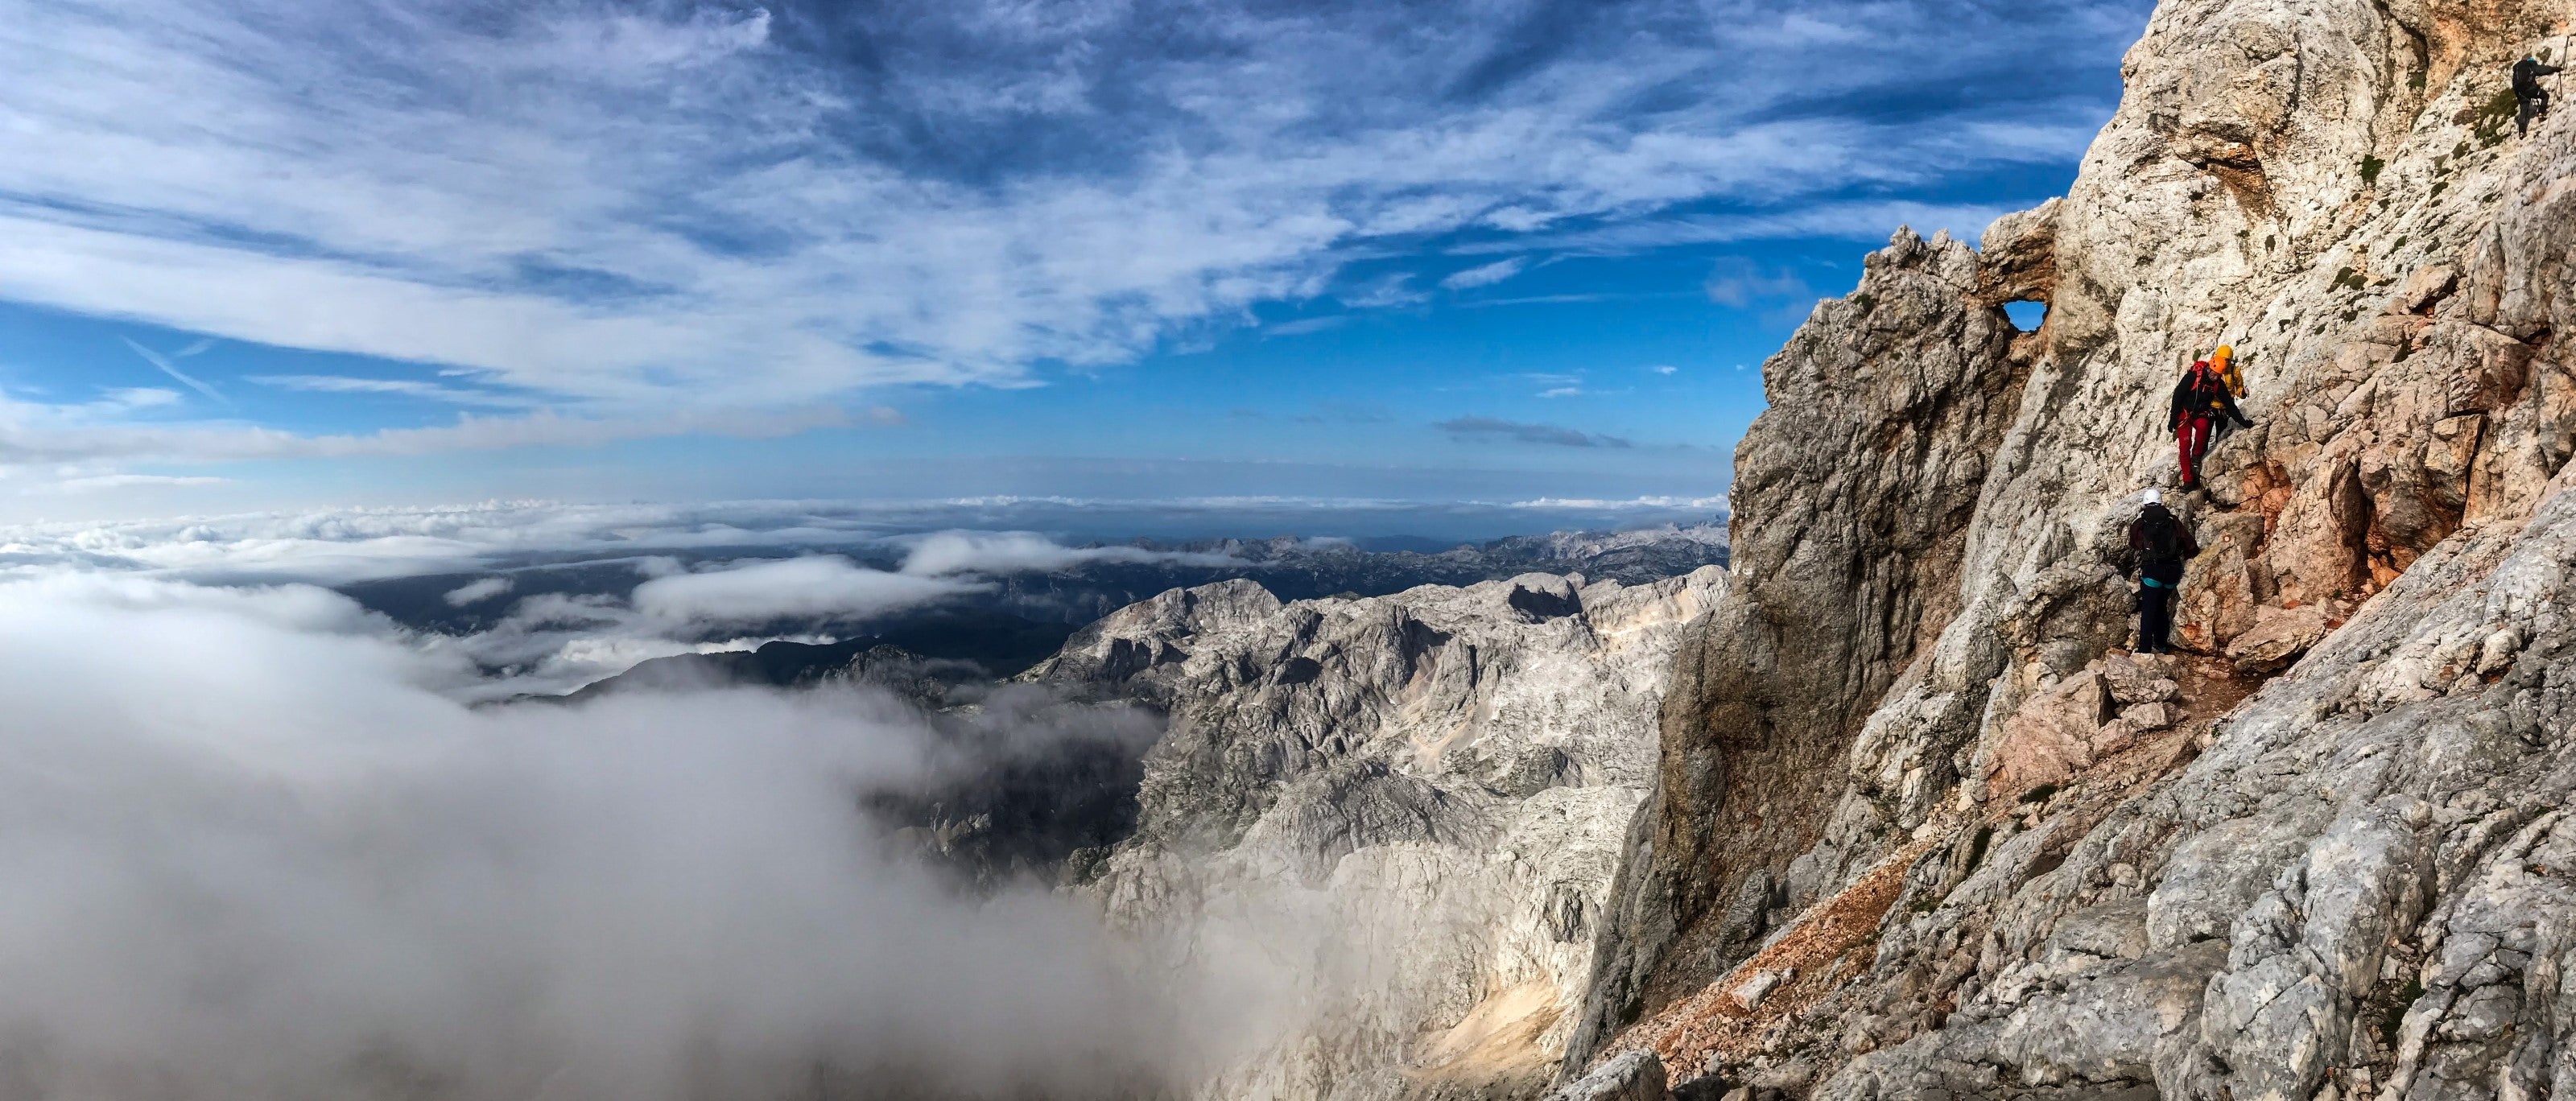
column 2133, row 681
column 2278, row 638
column 2496, row 654
column 2151, row 716
column 2424, row 287
column 2051, row 736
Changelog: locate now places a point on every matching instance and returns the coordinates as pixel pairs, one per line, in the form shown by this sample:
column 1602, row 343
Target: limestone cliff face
column 1852, row 498
column 1915, row 832
column 1407, row 809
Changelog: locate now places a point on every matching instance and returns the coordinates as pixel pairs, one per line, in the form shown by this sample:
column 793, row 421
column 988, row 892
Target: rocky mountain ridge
column 1920, row 829
column 1408, row 806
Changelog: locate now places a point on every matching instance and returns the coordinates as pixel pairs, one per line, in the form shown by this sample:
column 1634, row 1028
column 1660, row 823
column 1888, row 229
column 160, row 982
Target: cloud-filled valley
column 286, row 865
column 274, row 841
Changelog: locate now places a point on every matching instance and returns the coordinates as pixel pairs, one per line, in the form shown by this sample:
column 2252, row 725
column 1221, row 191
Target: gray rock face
column 2334, row 865
column 1406, row 810
column 1853, row 496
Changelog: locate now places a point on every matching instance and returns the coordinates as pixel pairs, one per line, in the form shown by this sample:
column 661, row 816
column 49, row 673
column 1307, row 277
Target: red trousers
column 2193, row 435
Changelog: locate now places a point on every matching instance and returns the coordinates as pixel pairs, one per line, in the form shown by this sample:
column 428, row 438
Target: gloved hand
column 2244, row 423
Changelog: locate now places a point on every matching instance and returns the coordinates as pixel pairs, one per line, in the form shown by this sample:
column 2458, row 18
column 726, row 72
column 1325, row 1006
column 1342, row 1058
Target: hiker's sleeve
column 2181, row 396
column 2232, row 411
column 2548, row 70
column 2190, row 546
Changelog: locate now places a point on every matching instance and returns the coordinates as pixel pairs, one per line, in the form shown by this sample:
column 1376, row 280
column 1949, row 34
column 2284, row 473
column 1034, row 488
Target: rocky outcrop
column 1853, row 497
column 1404, row 810
column 1990, row 860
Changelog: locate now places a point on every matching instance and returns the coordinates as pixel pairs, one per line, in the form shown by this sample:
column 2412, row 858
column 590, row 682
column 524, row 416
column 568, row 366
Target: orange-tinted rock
column 2278, row 638
column 2050, row 737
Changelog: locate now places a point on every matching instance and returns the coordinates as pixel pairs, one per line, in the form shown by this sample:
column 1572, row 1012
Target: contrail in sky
column 163, row 362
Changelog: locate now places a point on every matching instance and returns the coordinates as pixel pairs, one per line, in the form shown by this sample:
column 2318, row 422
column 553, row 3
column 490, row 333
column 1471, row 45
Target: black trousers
column 2531, row 107
column 2155, row 618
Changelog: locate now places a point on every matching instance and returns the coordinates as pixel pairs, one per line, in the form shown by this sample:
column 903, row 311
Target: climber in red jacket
column 2199, row 399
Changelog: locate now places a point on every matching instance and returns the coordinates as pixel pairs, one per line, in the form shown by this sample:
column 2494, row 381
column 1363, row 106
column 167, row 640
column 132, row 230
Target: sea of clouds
column 259, row 840
column 256, row 844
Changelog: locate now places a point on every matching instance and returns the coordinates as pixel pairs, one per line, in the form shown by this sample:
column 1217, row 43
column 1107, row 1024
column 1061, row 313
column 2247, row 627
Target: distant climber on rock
column 2200, row 400
column 2531, row 101
column 2162, row 544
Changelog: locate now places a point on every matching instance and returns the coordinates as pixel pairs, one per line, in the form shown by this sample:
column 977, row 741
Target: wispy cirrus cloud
column 410, row 388
column 1738, row 282
column 94, row 483
column 37, row 433
column 1491, row 429
column 716, row 205
column 1485, row 275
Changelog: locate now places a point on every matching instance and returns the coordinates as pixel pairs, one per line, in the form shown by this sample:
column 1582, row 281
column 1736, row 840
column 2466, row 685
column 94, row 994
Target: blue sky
column 295, row 254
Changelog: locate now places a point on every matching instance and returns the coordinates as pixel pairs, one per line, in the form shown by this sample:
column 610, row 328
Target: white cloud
column 476, row 592
column 952, row 552
column 1663, row 368
column 1717, row 503
column 1384, row 292
column 1738, row 282
column 341, row 545
column 412, row 388
column 1485, row 275
column 797, row 588
column 640, row 210
column 32, row 434
column 95, row 483
column 1304, row 325
column 291, row 868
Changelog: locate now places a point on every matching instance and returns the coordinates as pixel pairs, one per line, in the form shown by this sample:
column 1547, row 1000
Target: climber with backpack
column 2530, row 100
column 2162, row 544
column 2200, row 400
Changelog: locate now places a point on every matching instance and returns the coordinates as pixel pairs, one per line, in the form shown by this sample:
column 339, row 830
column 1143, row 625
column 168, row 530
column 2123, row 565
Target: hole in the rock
column 2026, row 314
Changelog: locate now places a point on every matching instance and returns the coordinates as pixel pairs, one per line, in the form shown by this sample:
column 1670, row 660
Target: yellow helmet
column 2224, row 351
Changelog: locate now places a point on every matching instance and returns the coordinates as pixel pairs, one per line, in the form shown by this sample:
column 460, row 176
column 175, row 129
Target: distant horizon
column 335, row 546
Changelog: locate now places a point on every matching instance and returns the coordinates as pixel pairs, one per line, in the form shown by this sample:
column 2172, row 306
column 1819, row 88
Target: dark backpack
column 2159, row 536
